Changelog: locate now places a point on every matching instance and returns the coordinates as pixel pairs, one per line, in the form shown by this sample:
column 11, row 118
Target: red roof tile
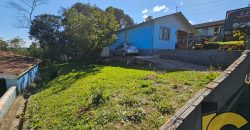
column 13, row 64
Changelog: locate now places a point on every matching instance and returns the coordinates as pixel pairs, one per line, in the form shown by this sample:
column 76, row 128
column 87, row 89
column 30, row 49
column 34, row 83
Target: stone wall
column 6, row 102
column 214, row 98
column 203, row 57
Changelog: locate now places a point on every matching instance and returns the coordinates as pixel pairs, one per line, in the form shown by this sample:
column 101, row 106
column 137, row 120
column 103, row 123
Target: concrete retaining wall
column 203, row 57
column 6, row 102
column 216, row 95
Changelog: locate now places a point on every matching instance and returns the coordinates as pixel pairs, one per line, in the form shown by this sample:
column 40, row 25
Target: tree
column 45, row 28
column 88, row 29
column 35, row 50
column 149, row 18
column 3, row 44
column 123, row 19
column 16, row 43
column 25, row 10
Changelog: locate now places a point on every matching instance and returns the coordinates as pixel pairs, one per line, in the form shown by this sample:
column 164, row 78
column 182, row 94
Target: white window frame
column 165, row 33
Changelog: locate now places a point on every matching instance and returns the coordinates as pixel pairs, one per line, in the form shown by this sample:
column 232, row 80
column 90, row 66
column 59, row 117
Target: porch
column 186, row 40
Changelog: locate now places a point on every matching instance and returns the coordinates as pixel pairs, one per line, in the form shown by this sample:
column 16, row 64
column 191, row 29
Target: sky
column 196, row 11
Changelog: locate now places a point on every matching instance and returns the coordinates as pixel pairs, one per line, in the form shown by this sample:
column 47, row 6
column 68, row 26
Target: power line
column 199, row 4
column 207, row 10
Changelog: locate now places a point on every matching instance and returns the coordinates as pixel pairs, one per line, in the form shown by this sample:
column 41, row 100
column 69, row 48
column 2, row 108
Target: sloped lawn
column 106, row 97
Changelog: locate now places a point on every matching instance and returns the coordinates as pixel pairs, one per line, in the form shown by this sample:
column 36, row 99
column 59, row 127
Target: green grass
column 106, row 97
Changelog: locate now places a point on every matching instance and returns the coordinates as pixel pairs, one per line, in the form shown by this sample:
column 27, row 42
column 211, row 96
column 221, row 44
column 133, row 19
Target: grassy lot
column 109, row 97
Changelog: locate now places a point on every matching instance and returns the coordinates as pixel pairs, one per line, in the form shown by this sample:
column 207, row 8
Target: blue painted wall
column 164, row 44
column 140, row 36
column 26, row 80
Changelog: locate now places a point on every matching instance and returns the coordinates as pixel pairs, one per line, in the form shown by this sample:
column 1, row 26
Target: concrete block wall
column 219, row 91
column 203, row 57
column 6, row 102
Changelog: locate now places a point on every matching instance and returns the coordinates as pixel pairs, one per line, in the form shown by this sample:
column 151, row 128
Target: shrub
column 98, row 98
column 137, row 115
column 165, row 108
column 211, row 46
column 231, row 45
column 129, row 101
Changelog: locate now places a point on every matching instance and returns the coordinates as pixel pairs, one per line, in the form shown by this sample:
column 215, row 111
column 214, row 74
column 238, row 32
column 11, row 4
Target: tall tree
column 35, row 50
column 89, row 29
column 123, row 19
column 46, row 29
column 3, row 44
column 25, row 10
column 16, row 43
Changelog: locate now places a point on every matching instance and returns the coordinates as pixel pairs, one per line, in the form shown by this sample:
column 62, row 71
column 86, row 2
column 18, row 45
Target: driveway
column 172, row 64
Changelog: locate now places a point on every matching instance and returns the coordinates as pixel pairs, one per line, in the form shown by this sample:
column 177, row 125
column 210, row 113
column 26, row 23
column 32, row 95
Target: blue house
column 16, row 70
column 163, row 33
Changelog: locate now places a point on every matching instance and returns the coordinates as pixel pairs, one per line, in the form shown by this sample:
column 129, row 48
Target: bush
column 231, row 45
column 137, row 115
column 98, row 98
column 165, row 108
column 211, row 45
column 129, row 101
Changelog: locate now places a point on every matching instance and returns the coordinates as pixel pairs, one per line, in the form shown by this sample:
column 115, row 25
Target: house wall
column 164, row 44
column 23, row 81
column 175, row 24
column 140, row 36
column 26, row 80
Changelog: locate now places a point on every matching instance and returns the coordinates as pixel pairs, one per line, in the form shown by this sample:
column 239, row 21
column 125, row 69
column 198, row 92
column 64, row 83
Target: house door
column 3, row 87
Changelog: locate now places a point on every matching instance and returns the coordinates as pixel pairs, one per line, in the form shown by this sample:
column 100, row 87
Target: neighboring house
column 16, row 70
column 223, row 29
column 161, row 33
column 211, row 29
column 238, row 16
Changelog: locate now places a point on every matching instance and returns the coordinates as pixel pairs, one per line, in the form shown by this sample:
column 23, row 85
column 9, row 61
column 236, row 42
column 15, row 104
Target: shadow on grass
column 144, row 66
column 65, row 79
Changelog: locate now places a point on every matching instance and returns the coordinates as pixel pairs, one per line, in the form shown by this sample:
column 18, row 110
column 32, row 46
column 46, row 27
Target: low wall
column 203, row 57
column 6, row 102
column 214, row 98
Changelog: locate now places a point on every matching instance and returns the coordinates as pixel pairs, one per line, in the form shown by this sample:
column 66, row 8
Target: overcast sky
column 196, row 11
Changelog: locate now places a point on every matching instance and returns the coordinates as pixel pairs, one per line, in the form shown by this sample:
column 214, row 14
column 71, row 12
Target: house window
column 164, row 33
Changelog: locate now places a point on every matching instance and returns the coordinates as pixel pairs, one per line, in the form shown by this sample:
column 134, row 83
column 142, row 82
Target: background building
column 161, row 33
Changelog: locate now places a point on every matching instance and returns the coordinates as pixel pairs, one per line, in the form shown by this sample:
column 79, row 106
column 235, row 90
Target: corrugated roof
column 209, row 24
column 12, row 64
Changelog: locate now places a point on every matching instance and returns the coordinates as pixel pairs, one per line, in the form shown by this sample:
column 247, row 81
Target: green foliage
column 123, row 19
column 45, row 28
column 106, row 97
column 3, row 44
column 136, row 115
column 16, row 43
column 34, row 50
column 89, row 28
column 231, row 45
column 165, row 107
column 209, row 46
